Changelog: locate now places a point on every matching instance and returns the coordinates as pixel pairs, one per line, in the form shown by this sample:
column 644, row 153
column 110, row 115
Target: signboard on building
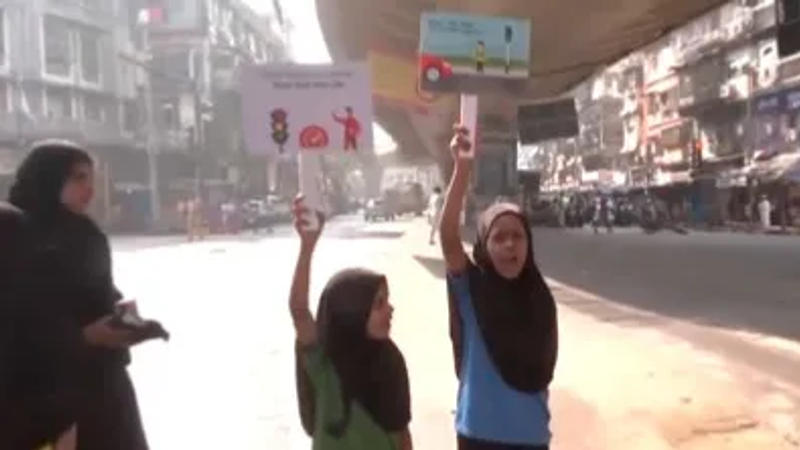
column 292, row 108
column 470, row 54
column 793, row 100
column 545, row 121
column 768, row 104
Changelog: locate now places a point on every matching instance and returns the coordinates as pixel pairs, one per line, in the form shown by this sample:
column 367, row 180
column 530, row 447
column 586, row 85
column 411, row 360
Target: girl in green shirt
column 352, row 383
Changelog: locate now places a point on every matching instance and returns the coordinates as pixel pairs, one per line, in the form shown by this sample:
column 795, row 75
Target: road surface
column 738, row 283
column 226, row 379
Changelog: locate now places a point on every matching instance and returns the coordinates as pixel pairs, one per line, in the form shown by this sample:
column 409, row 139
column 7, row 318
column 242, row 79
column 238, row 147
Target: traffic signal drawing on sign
column 280, row 127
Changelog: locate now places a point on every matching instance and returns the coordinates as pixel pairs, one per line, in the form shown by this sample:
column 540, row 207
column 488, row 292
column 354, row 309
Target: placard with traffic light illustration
column 472, row 54
column 293, row 108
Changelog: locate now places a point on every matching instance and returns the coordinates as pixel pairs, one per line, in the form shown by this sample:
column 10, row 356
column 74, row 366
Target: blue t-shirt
column 488, row 408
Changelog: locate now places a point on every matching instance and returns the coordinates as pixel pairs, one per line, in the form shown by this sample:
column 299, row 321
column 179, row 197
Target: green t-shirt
column 362, row 432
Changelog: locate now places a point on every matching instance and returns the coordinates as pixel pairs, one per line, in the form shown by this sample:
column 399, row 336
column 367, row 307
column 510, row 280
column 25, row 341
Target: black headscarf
column 70, row 284
column 41, row 178
column 371, row 372
column 68, row 249
column 517, row 318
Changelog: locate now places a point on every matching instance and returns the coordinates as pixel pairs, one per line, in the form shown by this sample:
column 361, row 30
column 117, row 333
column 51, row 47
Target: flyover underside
column 571, row 40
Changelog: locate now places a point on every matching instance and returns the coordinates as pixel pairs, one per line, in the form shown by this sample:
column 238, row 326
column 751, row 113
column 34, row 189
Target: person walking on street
column 503, row 323
column 70, row 278
column 435, row 205
column 765, row 212
column 597, row 214
column 352, row 381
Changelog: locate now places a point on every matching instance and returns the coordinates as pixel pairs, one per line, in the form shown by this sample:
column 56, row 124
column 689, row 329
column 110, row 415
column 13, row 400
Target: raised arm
column 450, row 227
column 304, row 324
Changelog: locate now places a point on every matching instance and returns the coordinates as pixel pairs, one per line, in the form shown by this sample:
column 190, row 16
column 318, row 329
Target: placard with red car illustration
column 290, row 108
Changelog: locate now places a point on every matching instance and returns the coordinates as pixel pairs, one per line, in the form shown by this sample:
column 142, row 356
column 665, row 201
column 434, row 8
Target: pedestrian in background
column 70, row 283
column 503, row 323
column 435, row 205
column 765, row 212
column 352, row 383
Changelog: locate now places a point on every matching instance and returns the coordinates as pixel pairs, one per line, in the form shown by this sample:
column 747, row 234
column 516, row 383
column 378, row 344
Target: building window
column 3, row 43
column 176, row 64
column 57, row 47
column 92, row 4
column 90, row 56
column 59, row 103
column 5, row 97
column 169, row 114
column 791, row 11
column 31, row 101
column 94, row 109
column 177, row 6
column 130, row 116
column 65, row 44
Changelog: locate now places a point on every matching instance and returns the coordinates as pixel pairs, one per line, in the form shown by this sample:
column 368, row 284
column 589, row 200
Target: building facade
column 61, row 77
column 148, row 86
column 197, row 49
column 707, row 113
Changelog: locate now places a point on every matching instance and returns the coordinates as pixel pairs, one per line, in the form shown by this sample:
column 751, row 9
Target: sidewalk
column 623, row 381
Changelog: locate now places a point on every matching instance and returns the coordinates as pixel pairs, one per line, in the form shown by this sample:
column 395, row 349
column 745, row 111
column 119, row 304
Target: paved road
column 226, row 379
column 723, row 288
column 728, row 280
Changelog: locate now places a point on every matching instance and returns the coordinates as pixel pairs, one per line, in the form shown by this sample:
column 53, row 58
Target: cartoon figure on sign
column 352, row 129
column 280, row 128
column 480, row 56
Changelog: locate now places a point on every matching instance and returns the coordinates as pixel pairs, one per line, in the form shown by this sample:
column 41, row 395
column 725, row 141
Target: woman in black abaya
column 71, row 268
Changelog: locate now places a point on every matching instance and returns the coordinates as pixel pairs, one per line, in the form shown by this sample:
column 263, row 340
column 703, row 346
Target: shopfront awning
column 783, row 167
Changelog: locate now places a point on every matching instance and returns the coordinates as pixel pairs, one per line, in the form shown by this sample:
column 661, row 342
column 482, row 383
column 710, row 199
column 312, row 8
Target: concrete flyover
column 571, row 39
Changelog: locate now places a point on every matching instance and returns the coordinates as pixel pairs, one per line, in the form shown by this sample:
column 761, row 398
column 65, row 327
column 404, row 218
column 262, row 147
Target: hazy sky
column 308, row 45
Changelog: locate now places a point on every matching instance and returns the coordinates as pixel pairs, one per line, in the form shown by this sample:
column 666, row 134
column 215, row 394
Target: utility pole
column 151, row 144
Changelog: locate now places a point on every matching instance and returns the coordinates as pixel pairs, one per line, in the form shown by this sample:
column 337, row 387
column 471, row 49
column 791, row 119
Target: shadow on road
column 367, row 234
column 435, row 266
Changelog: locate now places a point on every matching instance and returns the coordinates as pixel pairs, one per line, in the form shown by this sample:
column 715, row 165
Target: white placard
column 310, row 167
column 469, row 117
column 291, row 108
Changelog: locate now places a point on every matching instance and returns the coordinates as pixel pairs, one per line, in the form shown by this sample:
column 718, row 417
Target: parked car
column 255, row 214
column 265, row 214
column 378, row 209
column 279, row 209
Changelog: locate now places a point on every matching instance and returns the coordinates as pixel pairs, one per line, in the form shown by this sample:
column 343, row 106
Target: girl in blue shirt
column 502, row 323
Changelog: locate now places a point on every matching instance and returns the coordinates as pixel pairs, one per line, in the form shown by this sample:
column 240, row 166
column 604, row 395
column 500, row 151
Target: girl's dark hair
column 41, row 177
column 370, row 372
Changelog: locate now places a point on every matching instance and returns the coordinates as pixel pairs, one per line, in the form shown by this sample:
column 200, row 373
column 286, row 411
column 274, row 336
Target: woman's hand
column 461, row 145
column 102, row 333
column 308, row 237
